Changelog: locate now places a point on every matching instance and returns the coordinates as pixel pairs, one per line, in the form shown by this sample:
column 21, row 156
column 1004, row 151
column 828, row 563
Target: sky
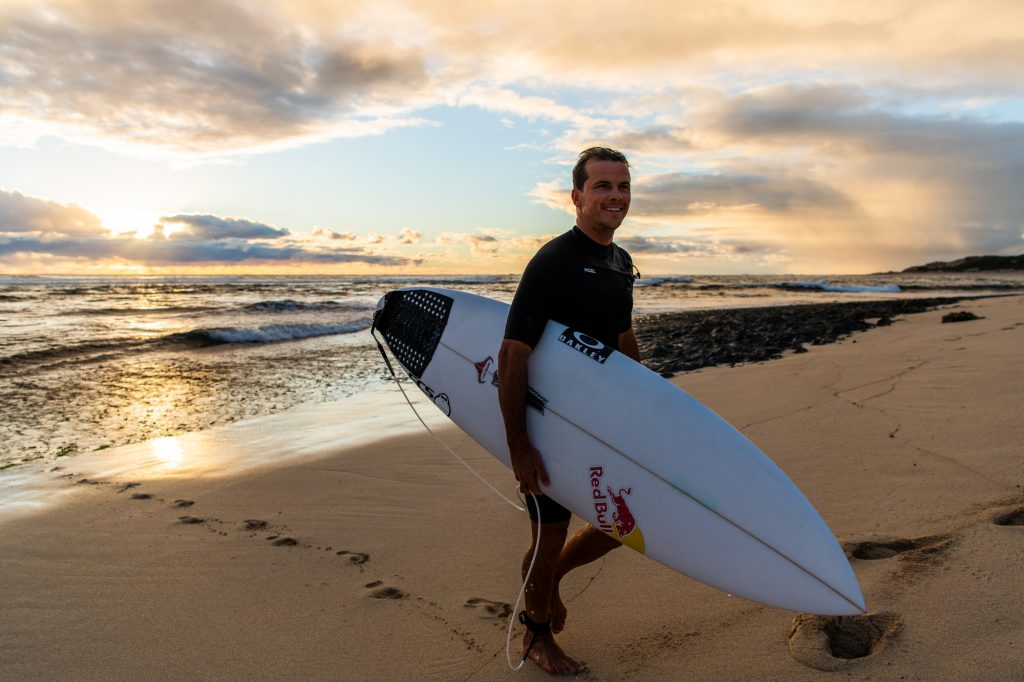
column 328, row 136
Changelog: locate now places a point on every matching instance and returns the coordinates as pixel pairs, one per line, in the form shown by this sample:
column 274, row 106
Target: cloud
column 887, row 131
column 37, row 226
column 410, row 236
column 208, row 227
column 324, row 233
column 19, row 213
column 479, row 244
column 653, row 245
column 694, row 247
column 676, row 194
column 184, row 252
column 192, row 77
column 530, row 107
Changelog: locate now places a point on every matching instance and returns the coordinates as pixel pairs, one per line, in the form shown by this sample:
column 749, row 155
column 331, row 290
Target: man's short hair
column 579, row 171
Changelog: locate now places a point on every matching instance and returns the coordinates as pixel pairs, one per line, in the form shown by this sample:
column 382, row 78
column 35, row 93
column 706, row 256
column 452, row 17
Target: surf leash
column 523, row 618
column 383, row 354
column 534, row 628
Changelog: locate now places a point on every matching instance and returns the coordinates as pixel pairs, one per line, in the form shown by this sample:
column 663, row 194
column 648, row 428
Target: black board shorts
column 550, row 511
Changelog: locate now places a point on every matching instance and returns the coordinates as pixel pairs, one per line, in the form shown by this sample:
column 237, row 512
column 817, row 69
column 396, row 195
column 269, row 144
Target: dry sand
column 390, row 562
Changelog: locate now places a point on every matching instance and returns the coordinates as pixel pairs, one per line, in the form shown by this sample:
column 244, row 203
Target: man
column 583, row 280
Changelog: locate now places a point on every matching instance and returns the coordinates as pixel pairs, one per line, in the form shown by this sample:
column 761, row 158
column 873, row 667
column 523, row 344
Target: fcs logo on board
column 440, row 399
column 586, row 344
column 622, row 526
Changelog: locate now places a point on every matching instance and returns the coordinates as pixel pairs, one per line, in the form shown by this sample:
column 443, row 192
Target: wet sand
column 390, row 561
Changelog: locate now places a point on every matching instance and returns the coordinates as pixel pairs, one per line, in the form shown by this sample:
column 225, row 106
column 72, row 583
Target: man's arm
column 628, row 345
column 513, row 389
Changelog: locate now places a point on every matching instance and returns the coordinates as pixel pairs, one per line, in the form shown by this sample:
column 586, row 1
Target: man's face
column 604, row 200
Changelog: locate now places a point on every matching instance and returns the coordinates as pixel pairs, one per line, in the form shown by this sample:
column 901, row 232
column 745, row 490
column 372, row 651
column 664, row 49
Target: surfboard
column 628, row 452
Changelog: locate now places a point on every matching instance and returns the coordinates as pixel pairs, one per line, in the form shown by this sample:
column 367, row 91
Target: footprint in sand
column 255, row 524
column 126, row 487
column 354, row 557
column 916, row 549
column 142, row 496
column 190, row 520
column 1014, row 517
column 284, row 542
column 382, row 591
column 833, row 642
column 182, row 504
column 498, row 609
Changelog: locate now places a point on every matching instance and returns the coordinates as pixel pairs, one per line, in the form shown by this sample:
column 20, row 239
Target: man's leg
column 586, row 545
column 545, row 651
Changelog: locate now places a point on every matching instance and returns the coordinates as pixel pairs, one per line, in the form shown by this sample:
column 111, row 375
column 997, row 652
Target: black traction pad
column 412, row 322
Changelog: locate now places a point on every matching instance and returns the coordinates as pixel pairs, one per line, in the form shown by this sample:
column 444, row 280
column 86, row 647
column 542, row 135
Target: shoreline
column 104, row 406
column 323, row 568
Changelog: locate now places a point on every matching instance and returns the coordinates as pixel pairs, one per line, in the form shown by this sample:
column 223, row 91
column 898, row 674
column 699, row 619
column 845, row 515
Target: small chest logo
column 591, row 271
column 586, row 344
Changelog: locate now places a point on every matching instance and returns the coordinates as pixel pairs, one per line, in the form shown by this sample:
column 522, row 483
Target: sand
column 388, row 561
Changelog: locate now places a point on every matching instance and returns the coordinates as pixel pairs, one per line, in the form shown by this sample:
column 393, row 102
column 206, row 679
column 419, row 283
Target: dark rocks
column 680, row 342
column 961, row 316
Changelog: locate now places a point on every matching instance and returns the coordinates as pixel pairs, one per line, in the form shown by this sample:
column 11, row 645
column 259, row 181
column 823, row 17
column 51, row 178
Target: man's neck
column 601, row 236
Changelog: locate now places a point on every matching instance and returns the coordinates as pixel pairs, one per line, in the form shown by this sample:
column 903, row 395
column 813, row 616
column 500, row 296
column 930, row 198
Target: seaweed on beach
column 685, row 341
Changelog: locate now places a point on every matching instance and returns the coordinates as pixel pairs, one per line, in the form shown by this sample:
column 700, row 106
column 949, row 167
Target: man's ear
column 575, row 197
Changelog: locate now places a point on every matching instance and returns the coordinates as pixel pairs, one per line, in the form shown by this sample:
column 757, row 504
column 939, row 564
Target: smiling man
column 582, row 280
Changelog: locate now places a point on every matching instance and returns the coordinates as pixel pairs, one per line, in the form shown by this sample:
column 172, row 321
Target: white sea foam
column 823, row 285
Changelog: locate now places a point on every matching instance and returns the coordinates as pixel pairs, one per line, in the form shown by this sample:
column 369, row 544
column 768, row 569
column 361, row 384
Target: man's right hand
column 528, row 466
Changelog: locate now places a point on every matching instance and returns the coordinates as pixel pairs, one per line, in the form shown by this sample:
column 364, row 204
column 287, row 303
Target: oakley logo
column 586, row 344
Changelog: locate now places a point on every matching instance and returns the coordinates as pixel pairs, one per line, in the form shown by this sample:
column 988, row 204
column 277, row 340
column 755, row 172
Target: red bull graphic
column 623, row 518
column 615, row 517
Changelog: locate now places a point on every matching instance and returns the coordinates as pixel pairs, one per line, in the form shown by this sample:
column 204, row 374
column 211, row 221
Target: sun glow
column 124, row 220
column 168, row 451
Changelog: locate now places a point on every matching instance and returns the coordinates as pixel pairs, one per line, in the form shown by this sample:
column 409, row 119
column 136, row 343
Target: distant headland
column 972, row 264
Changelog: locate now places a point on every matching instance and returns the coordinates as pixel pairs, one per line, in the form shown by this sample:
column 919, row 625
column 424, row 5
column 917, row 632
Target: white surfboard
column 629, row 452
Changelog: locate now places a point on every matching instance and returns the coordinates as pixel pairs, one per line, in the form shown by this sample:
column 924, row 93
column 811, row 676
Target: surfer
column 583, row 280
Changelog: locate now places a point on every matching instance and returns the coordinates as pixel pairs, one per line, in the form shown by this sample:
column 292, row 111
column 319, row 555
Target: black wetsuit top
column 575, row 281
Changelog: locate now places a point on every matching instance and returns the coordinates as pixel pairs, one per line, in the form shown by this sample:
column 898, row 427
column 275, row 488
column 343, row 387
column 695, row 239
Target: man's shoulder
column 555, row 250
column 620, row 254
column 558, row 244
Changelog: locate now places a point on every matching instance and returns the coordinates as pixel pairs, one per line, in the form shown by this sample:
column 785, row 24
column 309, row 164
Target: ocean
column 92, row 363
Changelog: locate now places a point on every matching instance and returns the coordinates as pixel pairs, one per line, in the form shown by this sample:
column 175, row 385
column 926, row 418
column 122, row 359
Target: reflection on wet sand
column 305, row 433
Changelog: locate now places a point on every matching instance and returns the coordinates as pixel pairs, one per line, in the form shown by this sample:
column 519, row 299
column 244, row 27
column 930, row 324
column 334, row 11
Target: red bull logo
column 620, row 522
column 623, row 518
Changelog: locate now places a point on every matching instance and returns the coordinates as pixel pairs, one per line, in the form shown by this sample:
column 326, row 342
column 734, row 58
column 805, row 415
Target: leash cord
column 438, row 438
column 522, row 592
column 536, row 505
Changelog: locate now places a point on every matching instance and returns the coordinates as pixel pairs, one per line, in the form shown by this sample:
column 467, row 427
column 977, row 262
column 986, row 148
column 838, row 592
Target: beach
column 384, row 559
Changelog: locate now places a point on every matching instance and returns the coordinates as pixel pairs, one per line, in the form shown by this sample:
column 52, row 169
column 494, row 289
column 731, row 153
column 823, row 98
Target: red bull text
column 622, row 524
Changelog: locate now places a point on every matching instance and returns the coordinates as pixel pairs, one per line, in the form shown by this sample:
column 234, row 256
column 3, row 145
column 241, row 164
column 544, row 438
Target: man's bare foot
column 550, row 658
column 557, row 611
